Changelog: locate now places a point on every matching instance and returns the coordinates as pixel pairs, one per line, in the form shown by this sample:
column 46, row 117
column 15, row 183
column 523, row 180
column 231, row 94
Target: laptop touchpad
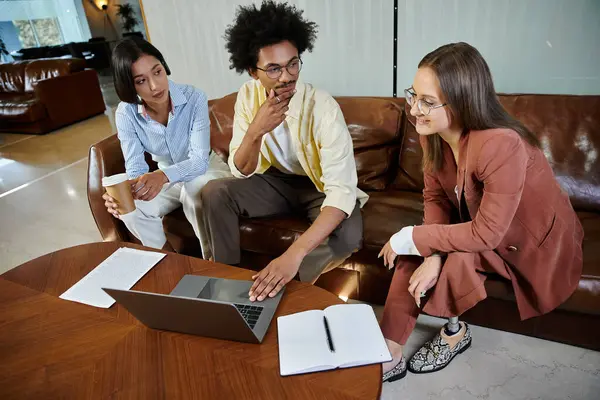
column 225, row 290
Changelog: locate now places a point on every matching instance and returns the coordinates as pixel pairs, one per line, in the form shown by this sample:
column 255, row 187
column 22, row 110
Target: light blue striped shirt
column 181, row 148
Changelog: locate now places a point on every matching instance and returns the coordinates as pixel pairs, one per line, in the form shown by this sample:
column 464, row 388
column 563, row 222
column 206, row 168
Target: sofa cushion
column 12, row 77
column 371, row 121
column 38, row 70
column 410, row 170
column 221, row 123
column 374, row 125
column 387, row 212
column 569, row 130
column 375, row 167
column 21, row 108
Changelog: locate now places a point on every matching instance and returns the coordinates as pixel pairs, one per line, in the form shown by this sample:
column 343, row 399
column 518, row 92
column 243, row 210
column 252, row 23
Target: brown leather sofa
column 42, row 95
column 388, row 159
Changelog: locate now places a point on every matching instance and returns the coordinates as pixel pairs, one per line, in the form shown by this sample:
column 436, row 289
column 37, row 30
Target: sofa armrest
column 105, row 159
column 71, row 98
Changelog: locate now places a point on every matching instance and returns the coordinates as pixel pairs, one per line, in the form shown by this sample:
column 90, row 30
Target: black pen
column 329, row 339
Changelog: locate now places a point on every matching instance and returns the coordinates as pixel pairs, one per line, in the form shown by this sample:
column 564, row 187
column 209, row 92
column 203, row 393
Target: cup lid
column 114, row 179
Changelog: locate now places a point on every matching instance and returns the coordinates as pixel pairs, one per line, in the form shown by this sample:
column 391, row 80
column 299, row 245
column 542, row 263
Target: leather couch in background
column 96, row 52
column 388, row 159
column 42, row 95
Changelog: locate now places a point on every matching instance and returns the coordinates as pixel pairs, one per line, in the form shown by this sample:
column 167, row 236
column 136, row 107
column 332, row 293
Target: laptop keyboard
column 250, row 313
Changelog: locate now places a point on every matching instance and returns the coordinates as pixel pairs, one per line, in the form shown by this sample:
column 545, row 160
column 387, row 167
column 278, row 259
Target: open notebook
column 354, row 335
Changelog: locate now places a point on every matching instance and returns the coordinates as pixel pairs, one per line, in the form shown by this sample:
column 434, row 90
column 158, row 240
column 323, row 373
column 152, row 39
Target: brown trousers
column 270, row 194
column 459, row 287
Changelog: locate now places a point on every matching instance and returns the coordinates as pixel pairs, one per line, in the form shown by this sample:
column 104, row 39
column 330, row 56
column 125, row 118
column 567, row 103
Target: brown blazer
column 516, row 208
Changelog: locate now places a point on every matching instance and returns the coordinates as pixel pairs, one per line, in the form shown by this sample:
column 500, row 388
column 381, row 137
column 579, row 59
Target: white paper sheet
column 121, row 270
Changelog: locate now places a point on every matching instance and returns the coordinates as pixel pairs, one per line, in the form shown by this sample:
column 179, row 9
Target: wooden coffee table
column 56, row 349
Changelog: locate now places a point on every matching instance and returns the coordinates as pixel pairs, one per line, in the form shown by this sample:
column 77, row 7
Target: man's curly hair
column 273, row 23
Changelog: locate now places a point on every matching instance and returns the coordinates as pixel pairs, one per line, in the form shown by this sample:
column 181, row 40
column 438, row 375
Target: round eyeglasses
column 275, row 71
column 423, row 106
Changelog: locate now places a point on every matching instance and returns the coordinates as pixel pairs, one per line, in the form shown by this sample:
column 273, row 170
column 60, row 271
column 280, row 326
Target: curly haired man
column 291, row 152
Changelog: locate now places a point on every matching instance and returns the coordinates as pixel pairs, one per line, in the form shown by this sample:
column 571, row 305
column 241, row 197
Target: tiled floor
column 43, row 198
column 43, row 208
column 34, row 157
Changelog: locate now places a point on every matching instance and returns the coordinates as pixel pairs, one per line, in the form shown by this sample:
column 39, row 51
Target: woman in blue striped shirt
column 170, row 122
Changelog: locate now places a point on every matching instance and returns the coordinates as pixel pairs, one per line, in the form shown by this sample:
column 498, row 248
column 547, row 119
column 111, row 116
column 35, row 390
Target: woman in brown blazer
column 492, row 204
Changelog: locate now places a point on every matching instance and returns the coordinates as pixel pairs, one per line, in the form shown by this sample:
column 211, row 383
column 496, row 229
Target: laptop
column 204, row 306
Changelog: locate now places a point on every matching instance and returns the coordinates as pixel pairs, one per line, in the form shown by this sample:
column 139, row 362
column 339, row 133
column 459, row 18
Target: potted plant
column 128, row 19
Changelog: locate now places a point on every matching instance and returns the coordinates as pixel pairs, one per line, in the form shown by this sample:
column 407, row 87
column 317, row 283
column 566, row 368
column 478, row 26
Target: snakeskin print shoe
column 396, row 373
column 436, row 354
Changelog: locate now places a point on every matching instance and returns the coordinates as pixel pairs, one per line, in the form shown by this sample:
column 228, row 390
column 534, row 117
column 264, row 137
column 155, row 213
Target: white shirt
column 402, row 242
column 283, row 154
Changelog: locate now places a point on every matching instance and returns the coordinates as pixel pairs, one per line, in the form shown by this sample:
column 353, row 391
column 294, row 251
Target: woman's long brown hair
column 468, row 89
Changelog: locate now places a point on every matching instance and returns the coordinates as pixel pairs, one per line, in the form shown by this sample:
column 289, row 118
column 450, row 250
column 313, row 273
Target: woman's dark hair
column 468, row 89
column 273, row 23
column 126, row 52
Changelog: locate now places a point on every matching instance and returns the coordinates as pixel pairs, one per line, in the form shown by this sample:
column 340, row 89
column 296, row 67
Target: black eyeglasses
column 275, row 71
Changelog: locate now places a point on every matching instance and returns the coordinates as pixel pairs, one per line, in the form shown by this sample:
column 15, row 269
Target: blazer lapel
column 460, row 171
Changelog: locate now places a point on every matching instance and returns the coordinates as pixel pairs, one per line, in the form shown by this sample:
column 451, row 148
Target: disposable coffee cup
column 118, row 187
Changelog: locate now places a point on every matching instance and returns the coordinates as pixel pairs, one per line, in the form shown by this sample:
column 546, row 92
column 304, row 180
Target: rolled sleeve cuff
column 236, row 172
column 172, row 173
column 342, row 201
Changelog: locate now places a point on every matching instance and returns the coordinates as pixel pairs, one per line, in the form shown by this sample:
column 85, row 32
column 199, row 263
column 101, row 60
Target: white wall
column 352, row 55
column 532, row 46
